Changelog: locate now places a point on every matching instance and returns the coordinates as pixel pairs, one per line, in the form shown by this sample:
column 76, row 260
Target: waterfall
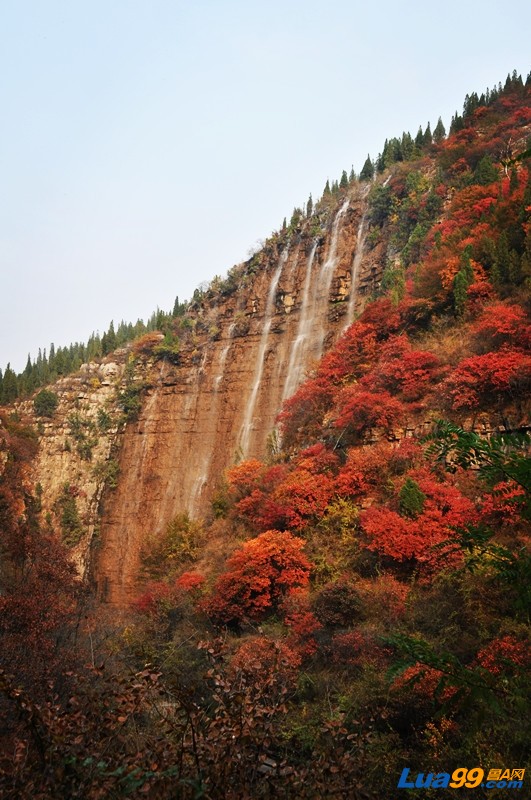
column 201, row 482
column 246, row 428
column 223, row 358
column 324, row 281
column 297, row 361
column 358, row 255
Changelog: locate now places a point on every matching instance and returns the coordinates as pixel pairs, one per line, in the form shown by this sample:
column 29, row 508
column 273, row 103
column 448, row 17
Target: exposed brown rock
column 243, row 355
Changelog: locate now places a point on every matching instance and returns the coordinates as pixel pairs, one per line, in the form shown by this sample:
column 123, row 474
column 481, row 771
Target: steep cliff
column 247, row 353
column 139, row 438
column 148, row 433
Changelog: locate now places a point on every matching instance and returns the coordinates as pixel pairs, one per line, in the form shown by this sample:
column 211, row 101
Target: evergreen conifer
column 367, row 171
column 440, row 132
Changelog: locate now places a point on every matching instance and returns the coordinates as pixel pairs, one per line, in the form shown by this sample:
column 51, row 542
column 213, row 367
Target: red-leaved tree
column 259, row 574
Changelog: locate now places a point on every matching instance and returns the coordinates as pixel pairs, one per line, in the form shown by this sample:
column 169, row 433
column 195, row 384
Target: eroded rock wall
column 220, row 402
column 244, row 352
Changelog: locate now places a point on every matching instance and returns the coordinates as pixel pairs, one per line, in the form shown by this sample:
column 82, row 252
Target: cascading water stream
column 202, row 479
column 324, row 281
column 356, row 262
column 223, row 358
column 297, row 360
column 246, row 428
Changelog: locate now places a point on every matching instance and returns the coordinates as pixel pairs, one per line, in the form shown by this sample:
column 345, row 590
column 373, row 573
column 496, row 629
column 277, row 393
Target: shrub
column 45, row 403
column 338, row 604
column 66, row 508
column 176, row 545
column 259, row 575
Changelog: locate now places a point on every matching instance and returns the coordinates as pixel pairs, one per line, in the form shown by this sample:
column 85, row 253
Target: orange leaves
column 451, row 268
column 190, row 582
column 304, row 496
column 364, row 469
column 160, row 596
column 258, row 576
column 243, row 476
column 425, row 682
column 281, row 498
column 301, row 621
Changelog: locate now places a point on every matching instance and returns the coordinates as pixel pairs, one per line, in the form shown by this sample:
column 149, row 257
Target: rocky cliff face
column 244, row 352
column 75, row 460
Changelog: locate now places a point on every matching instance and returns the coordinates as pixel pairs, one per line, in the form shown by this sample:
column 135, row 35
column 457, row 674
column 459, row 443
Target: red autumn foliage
column 353, row 353
column 260, row 510
column 402, row 370
column 160, row 596
column 488, row 378
column 191, row 582
column 243, row 477
column 283, row 499
column 302, row 414
column 424, row 682
column 505, row 655
column 384, row 316
column 501, row 324
column 478, row 293
column 261, row 653
column 367, row 466
column 359, row 411
column 358, row 649
column 303, row 496
column 301, row 621
column 502, row 507
column 154, row 594
column 402, row 538
column 384, row 598
column 406, row 455
column 317, row 459
column 259, row 574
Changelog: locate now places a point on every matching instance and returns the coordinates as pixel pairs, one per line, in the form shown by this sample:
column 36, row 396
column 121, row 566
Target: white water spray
column 297, row 361
column 324, row 280
column 358, row 255
column 246, row 429
column 223, row 357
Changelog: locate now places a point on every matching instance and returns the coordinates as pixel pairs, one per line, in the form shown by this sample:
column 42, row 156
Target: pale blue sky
column 147, row 146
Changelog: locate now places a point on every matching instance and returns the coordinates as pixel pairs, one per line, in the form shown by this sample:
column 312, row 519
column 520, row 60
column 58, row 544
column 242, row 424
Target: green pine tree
column 440, row 131
column 460, row 286
column 367, row 171
column 411, row 499
column 485, row 172
column 9, row 386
